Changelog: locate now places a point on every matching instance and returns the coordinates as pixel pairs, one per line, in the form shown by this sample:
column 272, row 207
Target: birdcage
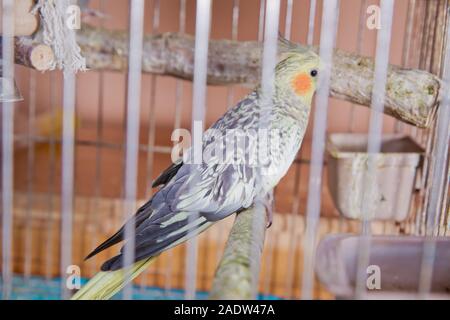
column 367, row 193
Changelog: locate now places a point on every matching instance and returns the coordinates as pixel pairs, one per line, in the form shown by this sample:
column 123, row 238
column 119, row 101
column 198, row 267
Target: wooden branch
column 235, row 276
column 31, row 54
column 412, row 96
column 37, row 56
column 25, row 23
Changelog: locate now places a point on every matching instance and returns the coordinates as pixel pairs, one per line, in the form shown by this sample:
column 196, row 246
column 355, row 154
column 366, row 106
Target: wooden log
column 31, row 54
column 412, row 96
column 41, row 57
column 25, row 23
column 236, row 277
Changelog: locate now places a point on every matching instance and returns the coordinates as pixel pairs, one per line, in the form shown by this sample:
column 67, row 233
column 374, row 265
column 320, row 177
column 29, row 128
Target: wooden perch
column 411, row 95
column 38, row 56
column 31, row 54
column 235, row 276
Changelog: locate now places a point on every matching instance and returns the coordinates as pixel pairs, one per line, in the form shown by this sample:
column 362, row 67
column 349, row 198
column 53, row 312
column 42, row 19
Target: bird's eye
column 313, row 73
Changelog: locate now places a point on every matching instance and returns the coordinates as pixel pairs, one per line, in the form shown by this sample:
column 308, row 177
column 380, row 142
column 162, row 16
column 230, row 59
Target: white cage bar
column 374, row 137
column 202, row 28
column 132, row 137
column 327, row 41
column 7, row 148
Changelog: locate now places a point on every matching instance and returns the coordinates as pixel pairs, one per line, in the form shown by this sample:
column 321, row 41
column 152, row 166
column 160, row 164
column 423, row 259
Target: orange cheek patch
column 302, row 84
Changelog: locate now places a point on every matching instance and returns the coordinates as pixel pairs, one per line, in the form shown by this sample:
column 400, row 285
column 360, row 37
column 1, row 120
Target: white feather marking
column 185, row 228
column 178, row 217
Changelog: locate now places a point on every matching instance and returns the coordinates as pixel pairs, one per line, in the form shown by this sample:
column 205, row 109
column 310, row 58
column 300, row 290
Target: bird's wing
column 225, row 181
column 240, row 117
column 195, row 195
column 141, row 215
column 218, row 186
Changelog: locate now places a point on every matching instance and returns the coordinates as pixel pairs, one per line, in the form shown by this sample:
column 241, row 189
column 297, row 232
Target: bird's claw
column 269, row 222
column 269, row 209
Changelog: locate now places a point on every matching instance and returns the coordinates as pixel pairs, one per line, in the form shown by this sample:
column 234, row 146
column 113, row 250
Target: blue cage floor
column 39, row 288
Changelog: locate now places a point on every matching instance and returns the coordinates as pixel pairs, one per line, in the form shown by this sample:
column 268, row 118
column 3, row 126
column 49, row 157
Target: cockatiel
column 194, row 196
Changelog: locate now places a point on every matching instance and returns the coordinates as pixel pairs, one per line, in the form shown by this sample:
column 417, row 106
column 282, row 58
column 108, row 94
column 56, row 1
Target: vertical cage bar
column 420, row 34
column 271, row 245
column 439, row 175
column 176, row 125
column 179, row 83
column 288, row 24
column 292, row 232
column 311, row 22
column 234, row 36
column 269, row 58
column 269, row 61
column 7, row 148
column 28, row 247
column 51, row 184
column 261, row 25
column 132, row 131
column 406, row 56
column 413, row 38
column 235, row 20
column 262, row 8
column 67, row 176
column 399, row 126
column 202, row 29
column 152, row 119
column 429, row 136
column 151, row 134
column 446, row 209
column 230, row 97
column 359, row 43
column 327, row 36
column 336, row 23
column 96, row 219
column 417, row 33
column 374, row 137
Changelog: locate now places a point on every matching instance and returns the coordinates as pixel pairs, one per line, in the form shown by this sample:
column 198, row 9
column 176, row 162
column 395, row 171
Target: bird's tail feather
column 104, row 285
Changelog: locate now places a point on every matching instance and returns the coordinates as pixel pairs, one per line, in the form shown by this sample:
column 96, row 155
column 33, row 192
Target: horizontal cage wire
column 81, row 148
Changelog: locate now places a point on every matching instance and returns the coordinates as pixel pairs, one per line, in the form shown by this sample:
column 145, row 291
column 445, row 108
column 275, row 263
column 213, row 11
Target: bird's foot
column 269, row 205
column 269, row 218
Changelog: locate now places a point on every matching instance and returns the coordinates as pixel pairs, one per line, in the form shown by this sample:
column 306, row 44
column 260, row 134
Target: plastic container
column 395, row 173
column 9, row 91
column 398, row 258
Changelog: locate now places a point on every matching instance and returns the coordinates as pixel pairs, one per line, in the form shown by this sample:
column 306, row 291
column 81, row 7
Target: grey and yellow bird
column 191, row 197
